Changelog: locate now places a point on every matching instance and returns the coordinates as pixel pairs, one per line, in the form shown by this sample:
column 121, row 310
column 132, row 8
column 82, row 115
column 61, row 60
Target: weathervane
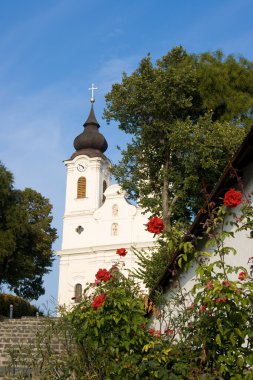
column 92, row 88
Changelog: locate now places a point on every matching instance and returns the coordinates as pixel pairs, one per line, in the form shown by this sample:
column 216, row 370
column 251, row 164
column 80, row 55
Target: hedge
column 21, row 308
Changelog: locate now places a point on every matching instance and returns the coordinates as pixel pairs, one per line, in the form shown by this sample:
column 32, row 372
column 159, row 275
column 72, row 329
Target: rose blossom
column 155, row 225
column 242, row 276
column 232, row 198
column 226, row 283
column 202, row 308
column 98, row 301
column 209, row 285
column 221, row 299
column 121, row 251
column 169, row 332
column 103, row 275
column 154, row 332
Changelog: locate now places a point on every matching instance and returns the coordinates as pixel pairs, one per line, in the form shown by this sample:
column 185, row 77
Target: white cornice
column 103, row 248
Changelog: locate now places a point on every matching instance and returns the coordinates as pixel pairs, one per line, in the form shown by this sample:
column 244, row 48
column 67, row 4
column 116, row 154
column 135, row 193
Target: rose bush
column 110, row 327
column 203, row 334
column 219, row 329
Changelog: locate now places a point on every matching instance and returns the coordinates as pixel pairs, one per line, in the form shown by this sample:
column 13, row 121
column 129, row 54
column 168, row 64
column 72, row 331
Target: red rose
column 202, row 308
column 155, row 225
column 98, row 301
column 151, row 331
column 221, row 299
column 154, row 332
column 232, row 198
column 169, row 332
column 242, row 276
column 226, row 283
column 103, row 275
column 121, row 251
column 209, row 285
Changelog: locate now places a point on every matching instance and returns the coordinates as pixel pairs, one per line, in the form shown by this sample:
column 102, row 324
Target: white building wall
column 82, row 254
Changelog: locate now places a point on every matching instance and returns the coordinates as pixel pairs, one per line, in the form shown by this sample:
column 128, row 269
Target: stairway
column 25, row 342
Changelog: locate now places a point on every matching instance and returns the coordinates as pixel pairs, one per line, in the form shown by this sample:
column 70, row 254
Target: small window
column 78, row 293
column 81, row 187
column 115, row 210
column 115, row 229
column 104, row 188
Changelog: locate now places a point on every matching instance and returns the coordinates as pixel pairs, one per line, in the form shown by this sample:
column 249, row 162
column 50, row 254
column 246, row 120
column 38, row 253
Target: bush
column 21, row 308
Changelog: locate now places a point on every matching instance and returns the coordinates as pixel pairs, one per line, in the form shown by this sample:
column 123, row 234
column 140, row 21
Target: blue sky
column 51, row 52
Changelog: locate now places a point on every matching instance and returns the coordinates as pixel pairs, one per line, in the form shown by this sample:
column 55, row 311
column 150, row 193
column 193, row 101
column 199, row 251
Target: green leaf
column 218, row 340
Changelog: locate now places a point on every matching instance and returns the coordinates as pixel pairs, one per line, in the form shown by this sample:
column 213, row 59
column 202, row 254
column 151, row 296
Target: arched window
column 115, row 229
column 104, row 188
column 78, row 293
column 81, row 187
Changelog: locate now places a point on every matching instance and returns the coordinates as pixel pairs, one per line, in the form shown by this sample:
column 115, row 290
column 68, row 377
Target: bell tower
column 88, row 177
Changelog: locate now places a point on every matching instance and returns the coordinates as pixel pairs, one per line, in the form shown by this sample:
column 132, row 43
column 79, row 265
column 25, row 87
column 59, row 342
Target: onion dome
column 90, row 142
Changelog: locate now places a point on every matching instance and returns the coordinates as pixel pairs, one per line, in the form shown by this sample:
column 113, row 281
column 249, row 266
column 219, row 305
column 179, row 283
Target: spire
column 90, row 142
column 91, row 118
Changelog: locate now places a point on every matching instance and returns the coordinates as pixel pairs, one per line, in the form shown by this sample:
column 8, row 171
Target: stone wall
column 28, row 344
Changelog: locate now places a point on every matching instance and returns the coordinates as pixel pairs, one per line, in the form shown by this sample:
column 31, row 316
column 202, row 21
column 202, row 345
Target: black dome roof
column 90, row 142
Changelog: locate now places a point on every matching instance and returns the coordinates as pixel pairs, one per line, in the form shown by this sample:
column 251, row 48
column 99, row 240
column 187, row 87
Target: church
column 98, row 219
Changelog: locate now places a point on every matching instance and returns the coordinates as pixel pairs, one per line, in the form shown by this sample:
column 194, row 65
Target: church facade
column 98, row 219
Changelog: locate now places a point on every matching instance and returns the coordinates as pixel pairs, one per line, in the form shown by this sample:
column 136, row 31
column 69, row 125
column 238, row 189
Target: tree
column 26, row 238
column 186, row 114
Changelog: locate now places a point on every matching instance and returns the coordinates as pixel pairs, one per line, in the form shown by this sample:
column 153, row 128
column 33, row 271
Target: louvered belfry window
column 81, row 187
column 104, row 188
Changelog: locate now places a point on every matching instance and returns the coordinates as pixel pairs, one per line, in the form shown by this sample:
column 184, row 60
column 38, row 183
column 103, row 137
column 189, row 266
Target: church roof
column 228, row 179
column 90, row 142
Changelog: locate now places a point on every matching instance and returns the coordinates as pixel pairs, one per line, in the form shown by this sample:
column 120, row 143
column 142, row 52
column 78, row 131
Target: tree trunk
column 165, row 195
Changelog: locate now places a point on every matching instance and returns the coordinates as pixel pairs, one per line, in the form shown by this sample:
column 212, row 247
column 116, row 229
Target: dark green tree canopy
column 187, row 115
column 26, row 238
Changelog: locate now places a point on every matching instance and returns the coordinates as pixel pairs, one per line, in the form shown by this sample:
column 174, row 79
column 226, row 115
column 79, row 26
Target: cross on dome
column 92, row 88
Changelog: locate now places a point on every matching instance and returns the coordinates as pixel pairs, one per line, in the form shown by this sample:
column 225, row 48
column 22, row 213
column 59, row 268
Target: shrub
column 21, row 308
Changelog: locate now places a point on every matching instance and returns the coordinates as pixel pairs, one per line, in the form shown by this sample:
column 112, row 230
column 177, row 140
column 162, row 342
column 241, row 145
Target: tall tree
column 186, row 114
column 26, row 238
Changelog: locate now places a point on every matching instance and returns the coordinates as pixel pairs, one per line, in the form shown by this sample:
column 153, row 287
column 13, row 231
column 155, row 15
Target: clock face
column 82, row 165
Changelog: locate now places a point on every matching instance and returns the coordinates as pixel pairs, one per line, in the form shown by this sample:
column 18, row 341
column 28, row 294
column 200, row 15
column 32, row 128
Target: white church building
column 98, row 219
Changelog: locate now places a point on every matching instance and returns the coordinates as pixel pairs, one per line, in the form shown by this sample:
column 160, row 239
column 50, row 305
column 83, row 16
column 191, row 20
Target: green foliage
column 203, row 334
column 153, row 262
column 219, row 327
column 21, row 308
column 26, row 238
column 111, row 337
column 185, row 113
